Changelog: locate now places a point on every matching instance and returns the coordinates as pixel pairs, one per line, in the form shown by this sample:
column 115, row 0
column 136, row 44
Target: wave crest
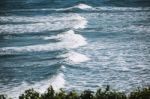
column 68, row 40
column 41, row 23
column 56, row 81
column 74, row 57
column 83, row 6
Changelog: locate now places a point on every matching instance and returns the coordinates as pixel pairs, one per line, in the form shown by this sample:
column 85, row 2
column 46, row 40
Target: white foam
column 107, row 8
column 83, row 6
column 79, row 6
column 68, row 39
column 57, row 82
column 87, row 7
column 68, row 36
column 63, row 67
column 75, row 57
column 49, row 18
column 41, row 23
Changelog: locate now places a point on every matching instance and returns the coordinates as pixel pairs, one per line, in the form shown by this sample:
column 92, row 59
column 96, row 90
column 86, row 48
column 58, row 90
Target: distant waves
column 79, row 8
column 40, row 23
column 49, row 51
column 77, row 46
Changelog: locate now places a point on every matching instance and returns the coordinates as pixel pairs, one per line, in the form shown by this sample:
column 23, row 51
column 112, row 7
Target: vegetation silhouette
column 107, row 93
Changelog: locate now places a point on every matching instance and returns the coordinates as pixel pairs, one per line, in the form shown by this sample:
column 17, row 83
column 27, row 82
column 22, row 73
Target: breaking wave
column 68, row 40
column 74, row 57
column 56, row 81
column 83, row 6
column 41, row 23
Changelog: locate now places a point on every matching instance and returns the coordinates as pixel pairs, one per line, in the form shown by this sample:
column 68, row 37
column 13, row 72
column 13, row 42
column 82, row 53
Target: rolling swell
column 38, row 63
column 80, row 8
column 76, row 45
column 29, row 4
column 47, row 23
column 67, row 40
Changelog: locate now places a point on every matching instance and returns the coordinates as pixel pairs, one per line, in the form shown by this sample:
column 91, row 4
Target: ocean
column 74, row 44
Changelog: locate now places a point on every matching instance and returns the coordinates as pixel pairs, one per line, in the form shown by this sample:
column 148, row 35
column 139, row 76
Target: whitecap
column 63, row 67
column 86, row 7
column 56, row 82
column 68, row 40
column 83, row 6
column 46, row 18
column 80, row 6
column 68, row 36
column 74, row 57
column 41, row 23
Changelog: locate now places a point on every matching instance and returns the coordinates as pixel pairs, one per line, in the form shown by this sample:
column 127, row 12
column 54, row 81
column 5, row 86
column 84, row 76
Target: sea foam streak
column 49, row 18
column 39, row 24
column 79, row 6
column 90, row 8
column 67, row 39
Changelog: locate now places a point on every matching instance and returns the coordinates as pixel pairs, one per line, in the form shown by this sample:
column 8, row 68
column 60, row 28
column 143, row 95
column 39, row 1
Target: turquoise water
column 74, row 45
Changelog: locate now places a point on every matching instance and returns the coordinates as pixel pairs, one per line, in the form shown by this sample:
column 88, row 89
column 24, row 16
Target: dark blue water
column 74, row 44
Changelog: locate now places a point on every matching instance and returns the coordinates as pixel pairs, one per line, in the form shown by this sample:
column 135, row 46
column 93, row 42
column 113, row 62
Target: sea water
column 74, row 44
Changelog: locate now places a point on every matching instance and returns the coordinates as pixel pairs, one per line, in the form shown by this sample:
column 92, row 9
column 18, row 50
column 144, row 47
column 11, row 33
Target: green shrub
column 143, row 93
column 87, row 94
column 72, row 95
column 60, row 95
column 30, row 94
column 3, row 97
column 50, row 94
column 109, row 94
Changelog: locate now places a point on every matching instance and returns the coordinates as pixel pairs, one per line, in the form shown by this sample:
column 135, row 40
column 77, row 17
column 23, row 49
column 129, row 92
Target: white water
column 83, row 6
column 107, row 66
column 40, row 24
column 56, row 81
column 74, row 57
column 68, row 40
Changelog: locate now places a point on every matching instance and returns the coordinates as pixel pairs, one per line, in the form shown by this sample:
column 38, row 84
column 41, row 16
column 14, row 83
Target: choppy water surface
column 73, row 45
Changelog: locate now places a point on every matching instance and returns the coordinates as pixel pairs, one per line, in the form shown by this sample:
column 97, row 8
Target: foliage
column 30, row 94
column 140, row 93
column 87, row 94
column 60, row 95
column 49, row 94
column 107, row 93
column 2, row 97
column 72, row 95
